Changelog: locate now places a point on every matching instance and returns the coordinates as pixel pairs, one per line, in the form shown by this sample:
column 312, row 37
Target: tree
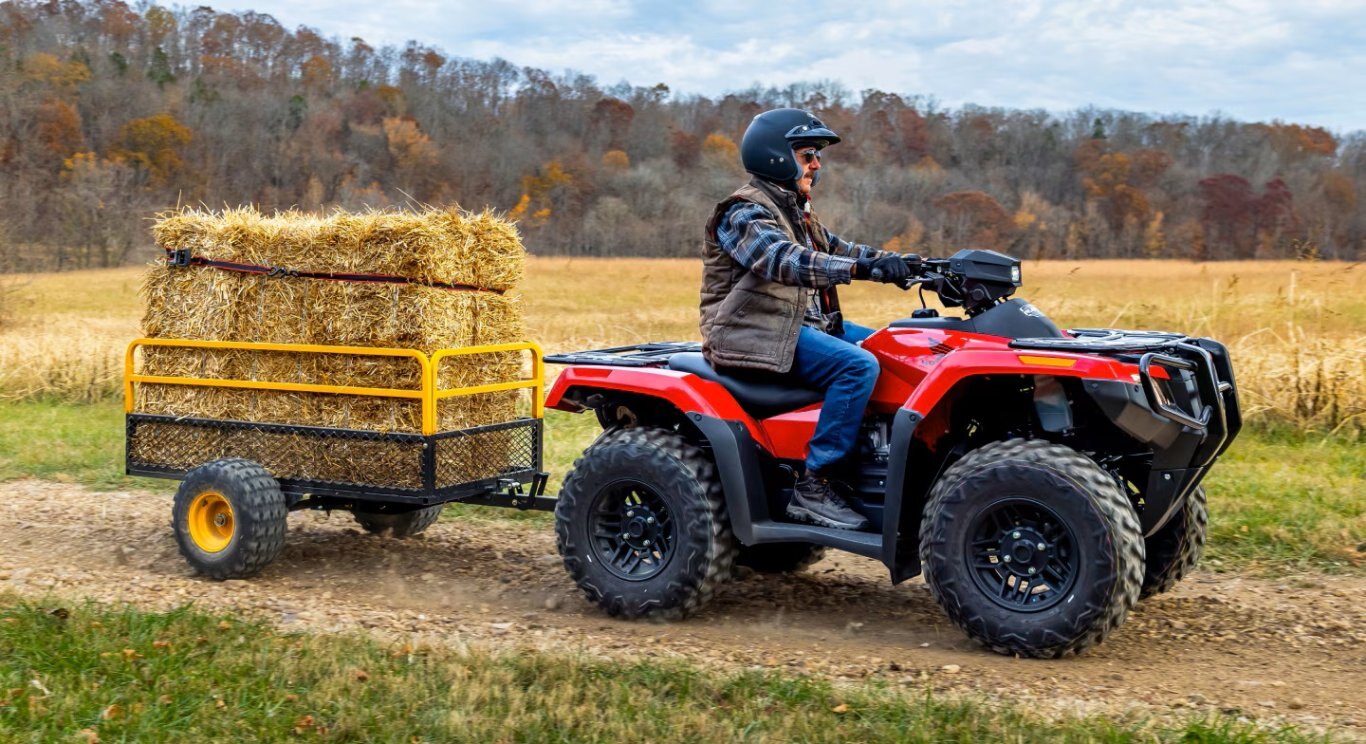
column 153, row 145
column 972, row 219
column 59, row 127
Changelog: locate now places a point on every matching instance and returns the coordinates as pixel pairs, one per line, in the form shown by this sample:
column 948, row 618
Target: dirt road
column 1289, row 650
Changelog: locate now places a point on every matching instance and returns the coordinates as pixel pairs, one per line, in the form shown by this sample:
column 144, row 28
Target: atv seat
column 757, row 392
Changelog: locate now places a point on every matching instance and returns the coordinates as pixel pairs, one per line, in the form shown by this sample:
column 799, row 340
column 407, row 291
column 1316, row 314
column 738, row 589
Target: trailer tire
column 641, row 525
column 396, row 524
column 229, row 518
column 1032, row 549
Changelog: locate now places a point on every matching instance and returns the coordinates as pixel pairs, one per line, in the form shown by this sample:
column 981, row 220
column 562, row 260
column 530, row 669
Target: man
column 768, row 296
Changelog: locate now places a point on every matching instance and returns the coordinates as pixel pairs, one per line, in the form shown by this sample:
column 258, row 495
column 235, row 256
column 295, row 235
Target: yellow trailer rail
column 429, row 394
column 330, row 465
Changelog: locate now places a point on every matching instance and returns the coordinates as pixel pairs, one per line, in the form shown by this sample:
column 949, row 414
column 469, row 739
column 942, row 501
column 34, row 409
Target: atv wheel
column 378, row 520
column 1174, row 550
column 776, row 558
column 641, row 524
column 229, row 518
column 1031, row 548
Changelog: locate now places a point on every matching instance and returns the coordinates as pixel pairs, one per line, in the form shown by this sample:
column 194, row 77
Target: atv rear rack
column 640, row 355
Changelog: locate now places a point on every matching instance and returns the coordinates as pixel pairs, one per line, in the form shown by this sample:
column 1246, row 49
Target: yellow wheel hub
column 211, row 523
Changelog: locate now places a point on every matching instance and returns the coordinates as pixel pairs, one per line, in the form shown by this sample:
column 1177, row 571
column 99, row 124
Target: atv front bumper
column 1188, row 415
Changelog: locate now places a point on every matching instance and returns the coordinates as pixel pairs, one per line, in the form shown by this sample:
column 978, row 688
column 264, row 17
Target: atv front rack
column 1197, row 391
column 1101, row 340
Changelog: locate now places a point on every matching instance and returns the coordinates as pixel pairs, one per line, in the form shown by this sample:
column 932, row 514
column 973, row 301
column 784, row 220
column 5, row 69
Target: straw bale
column 435, row 246
column 286, row 455
column 207, row 303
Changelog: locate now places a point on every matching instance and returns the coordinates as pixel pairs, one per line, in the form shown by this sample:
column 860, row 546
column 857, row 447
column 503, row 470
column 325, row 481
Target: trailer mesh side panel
column 347, row 460
column 486, row 452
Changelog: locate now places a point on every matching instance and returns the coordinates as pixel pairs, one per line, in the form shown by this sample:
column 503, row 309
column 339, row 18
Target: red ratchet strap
column 182, row 258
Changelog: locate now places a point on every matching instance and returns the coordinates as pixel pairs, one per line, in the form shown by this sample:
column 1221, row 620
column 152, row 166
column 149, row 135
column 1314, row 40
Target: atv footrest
column 863, row 543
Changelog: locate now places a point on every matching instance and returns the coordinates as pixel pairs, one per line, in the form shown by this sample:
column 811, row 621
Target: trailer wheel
column 1175, row 549
column 778, row 558
column 1032, row 549
column 229, row 518
column 378, row 520
column 641, row 525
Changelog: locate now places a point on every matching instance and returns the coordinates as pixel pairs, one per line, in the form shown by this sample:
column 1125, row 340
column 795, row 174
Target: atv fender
column 736, row 441
column 954, row 369
column 966, row 363
column 687, row 392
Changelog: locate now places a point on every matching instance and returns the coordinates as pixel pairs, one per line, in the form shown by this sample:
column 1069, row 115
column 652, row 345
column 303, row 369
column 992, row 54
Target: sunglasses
column 809, row 156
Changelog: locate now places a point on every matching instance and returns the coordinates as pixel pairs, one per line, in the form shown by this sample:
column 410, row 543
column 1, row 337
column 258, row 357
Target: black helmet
column 766, row 149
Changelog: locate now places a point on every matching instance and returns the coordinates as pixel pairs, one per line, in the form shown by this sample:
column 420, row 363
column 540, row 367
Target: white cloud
column 1254, row 59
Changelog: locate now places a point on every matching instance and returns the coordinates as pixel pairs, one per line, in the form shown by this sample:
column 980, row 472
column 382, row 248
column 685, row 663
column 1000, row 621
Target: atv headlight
column 1015, row 274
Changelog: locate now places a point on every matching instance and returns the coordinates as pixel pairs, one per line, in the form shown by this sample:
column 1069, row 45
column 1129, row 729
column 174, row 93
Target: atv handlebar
column 972, row 279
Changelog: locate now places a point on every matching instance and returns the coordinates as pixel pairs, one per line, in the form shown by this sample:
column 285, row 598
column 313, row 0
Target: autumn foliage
column 112, row 112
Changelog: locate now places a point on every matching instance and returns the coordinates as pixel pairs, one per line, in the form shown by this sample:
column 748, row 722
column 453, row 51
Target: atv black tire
column 777, row 558
column 641, row 525
column 1175, row 549
column 229, row 518
column 1032, row 549
column 396, row 524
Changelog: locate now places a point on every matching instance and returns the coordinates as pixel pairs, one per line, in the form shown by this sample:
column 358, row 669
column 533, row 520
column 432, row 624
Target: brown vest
column 749, row 321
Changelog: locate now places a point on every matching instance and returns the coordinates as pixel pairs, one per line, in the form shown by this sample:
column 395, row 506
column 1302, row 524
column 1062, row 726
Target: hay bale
column 210, row 304
column 427, row 247
column 432, row 246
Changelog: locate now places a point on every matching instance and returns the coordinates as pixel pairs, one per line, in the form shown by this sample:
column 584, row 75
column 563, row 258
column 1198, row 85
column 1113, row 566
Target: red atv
column 1042, row 480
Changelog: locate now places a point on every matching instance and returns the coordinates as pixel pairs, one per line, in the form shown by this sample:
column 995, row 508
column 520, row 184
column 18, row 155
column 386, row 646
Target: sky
column 1301, row 61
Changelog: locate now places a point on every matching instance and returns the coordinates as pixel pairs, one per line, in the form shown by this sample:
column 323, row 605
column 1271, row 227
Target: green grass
column 73, row 443
column 120, row 674
column 1278, row 501
column 1288, row 501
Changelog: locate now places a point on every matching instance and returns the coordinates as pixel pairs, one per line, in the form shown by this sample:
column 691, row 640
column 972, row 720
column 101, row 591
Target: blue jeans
column 847, row 374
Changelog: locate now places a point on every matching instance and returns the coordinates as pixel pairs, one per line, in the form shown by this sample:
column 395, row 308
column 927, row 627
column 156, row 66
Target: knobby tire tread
column 1098, row 619
column 406, row 524
column 707, row 544
column 1175, row 550
column 260, row 516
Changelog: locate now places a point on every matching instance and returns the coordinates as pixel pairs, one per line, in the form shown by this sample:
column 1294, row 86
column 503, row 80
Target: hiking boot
column 814, row 501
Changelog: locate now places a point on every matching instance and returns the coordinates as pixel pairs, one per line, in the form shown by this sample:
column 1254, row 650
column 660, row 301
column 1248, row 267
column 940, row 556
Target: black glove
column 890, row 269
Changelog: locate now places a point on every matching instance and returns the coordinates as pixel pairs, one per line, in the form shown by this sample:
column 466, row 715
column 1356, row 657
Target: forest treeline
column 112, row 113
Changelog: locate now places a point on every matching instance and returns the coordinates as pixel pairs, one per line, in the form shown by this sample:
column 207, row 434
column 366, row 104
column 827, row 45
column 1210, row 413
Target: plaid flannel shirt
column 753, row 237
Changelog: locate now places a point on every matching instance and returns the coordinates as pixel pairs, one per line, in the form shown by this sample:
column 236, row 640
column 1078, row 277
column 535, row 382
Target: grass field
column 86, row 673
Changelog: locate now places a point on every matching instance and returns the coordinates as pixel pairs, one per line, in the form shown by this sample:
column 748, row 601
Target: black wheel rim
column 1022, row 555
column 632, row 530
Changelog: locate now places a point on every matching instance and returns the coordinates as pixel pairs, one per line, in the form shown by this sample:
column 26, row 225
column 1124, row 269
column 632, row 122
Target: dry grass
column 1297, row 330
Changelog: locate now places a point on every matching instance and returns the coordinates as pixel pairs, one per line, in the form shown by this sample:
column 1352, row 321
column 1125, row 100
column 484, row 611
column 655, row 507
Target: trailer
column 239, row 478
